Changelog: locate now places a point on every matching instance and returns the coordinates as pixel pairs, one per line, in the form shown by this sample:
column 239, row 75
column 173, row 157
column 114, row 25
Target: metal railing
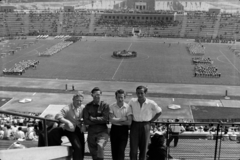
column 213, row 145
column 192, row 145
column 44, row 120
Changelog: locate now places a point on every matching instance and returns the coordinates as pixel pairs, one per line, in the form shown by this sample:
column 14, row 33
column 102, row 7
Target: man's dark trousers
column 139, row 139
column 76, row 139
column 118, row 138
column 175, row 136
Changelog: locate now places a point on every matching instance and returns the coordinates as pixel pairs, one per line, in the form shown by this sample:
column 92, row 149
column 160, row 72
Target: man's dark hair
column 142, row 87
column 95, row 89
column 120, row 91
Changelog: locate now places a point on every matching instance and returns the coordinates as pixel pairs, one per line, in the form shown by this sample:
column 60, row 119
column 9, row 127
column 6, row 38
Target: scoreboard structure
column 148, row 5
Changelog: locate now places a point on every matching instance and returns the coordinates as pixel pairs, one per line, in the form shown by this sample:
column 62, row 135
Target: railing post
column 216, row 144
column 45, row 132
column 167, row 139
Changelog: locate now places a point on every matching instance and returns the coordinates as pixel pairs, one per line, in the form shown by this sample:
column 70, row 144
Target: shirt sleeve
column 129, row 110
column 111, row 108
column 62, row 113
column 156, row 108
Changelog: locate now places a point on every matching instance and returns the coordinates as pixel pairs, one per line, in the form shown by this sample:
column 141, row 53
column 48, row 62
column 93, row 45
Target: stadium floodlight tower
column 141, row 4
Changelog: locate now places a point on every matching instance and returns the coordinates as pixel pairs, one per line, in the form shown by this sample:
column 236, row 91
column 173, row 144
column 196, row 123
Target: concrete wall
column 37, row 153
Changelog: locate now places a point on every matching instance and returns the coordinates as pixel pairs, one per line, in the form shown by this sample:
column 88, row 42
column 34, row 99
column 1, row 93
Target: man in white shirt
column 144, row 112
column 176, row 129
column 121, row 117
column 20, row 134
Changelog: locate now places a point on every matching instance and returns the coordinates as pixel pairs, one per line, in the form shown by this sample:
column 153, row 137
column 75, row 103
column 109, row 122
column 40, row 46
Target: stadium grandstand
column 186, row 52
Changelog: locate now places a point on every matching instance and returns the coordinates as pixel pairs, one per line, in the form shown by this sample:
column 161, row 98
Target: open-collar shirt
column 120, row 112
column 72, row 114
column 146, row 112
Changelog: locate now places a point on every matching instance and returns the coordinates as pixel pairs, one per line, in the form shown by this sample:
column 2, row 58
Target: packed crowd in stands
column 196, row 49
column 135, row 23
column 18, row 128
column 21, row 67
column 216, row 40
column 202, row 60
column 206, row 70
column 142, row 12
column 43, row 23
column 195, row 128
column 56, row 48
column 75, row 22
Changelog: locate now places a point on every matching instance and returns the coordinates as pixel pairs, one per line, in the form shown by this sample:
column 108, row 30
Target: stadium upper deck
column 121, row 23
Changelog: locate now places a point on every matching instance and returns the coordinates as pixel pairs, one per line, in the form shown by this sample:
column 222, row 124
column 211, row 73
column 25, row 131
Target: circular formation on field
column 138, row 57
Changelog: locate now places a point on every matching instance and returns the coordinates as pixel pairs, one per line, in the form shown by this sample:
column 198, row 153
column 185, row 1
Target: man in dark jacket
column 96, row 115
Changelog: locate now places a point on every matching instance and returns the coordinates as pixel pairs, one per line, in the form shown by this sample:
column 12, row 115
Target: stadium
column 185, row 52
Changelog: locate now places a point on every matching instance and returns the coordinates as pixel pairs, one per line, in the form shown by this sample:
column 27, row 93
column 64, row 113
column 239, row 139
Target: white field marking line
column 120, row 63
column 24, row 54
column 219, row 59
column 230, row 62
column 7, row 102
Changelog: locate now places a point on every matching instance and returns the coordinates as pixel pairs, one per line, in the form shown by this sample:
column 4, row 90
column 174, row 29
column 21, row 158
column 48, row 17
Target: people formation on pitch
column 135, row 116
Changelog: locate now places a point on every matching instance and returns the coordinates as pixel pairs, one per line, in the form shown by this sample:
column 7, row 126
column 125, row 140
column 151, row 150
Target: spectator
column 31, row 134
column 120, row 117
column 20, row 135
column 144, row 112
column 175, row 130
column 156, row 149
column 1, row 132
column 206, row 128
column 49, row 126
column 7, row 132
column 200, row 129
column 96, row 114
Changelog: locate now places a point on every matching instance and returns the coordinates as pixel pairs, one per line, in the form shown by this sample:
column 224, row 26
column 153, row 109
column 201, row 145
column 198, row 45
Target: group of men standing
column 135, row 115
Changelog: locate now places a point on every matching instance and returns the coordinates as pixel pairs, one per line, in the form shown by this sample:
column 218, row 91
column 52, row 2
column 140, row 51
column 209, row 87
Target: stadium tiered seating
column 168, row 30
column 75, row 23
column 153, row 27
column 43, row 23
column 196, row 24
column 237, row 31
column 12, row 23
column 207, row 25
column 193, row 25
column 227, row 27
column 2, row 24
